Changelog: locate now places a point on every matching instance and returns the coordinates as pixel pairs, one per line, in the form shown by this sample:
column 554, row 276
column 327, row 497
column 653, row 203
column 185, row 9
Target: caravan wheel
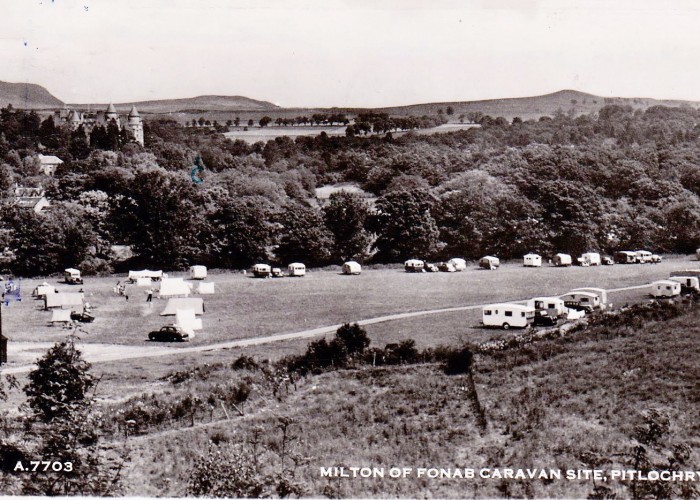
column 506, row 326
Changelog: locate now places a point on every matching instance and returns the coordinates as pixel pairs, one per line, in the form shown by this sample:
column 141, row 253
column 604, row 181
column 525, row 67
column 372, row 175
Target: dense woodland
column 619, row 179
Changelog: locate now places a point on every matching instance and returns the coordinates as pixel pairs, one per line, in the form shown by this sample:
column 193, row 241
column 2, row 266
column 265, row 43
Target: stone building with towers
column 74, row 119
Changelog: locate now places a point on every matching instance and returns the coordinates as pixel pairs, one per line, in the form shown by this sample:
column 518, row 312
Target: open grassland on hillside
column 571, row 403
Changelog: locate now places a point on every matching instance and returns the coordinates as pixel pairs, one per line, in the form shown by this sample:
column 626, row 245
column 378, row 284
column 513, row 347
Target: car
column 431, row 268
column 542, row 318
column 608, row 261
column 169, row 334
column 577, row 306
column 277, row 273
column 655, row 259
column 446, row 267
column 82, row 317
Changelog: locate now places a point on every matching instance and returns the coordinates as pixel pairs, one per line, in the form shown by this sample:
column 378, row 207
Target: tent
column 60, row 316
column 352, row 267
column 44, row 289
column 205, row 288
column 144, row 282
column 174, row 286
column 195, row 303
column 63, row 299
column 154, row 275
column 198, row 272
column 185, row 319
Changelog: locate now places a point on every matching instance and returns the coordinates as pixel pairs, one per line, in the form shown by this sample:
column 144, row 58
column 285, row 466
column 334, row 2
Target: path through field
column 97, row 353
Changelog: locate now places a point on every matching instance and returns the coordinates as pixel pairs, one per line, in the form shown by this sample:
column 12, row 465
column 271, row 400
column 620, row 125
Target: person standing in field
column 149, row 298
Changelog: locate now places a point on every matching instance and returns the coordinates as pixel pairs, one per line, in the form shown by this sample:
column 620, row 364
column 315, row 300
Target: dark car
column 542, row 318
column 82, row 317
column 577, row 306
column 169, row 334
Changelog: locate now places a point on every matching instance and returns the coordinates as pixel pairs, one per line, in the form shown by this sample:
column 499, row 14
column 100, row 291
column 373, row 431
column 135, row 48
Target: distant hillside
column 27, row 96
column 191, row 104
column 534, row 107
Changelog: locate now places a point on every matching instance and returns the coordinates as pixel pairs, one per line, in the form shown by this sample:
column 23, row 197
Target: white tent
column 170, row 287
column 198, row 272
column 185, row 319
column 205, row 288
column 60, row 316
column 63, row 300
column 44, row 289
column 352, row 267
column 195, row 303
column 144, row 282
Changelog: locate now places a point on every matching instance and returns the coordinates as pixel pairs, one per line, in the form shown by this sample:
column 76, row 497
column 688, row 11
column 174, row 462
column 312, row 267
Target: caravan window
column 509, row 313
column 522, row 314
column 551, row 306
column 487, row 312
column 584, row 299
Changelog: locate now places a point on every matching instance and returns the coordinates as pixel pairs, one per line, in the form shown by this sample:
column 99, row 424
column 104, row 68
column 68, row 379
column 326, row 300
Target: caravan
column 262, row 271
column 643, row 256
column 562, row 260
column 532, row 260
column 296, row 269
column 489, row 262
column 508, row 315
column 198, row 272
column 600, row 292
column 689, row 284
column 665, row 289
column 581, row 301
column 352, row 267
column 414, row 266
column 72, row 276
column 548, row 310
column 589, row 259
column 459, row 264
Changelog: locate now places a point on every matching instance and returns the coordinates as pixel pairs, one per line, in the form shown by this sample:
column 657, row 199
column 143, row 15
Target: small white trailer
column 489, row 262
column 589, row 259
column 414, row 266
column 665, row 289
column 643, row 256
column 296, row 269
column 508, row 316
column 562, row 260
column 262, row 271
column 459, row 264
column 600, row 292
column 532, row 260
column 581, row 301
column 352, row 267
column 689, row 284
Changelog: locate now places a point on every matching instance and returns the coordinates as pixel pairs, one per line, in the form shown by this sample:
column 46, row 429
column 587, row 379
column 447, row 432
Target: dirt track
column 98, row 353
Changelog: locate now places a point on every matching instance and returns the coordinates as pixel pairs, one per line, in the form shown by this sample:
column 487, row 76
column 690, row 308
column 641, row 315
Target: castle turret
column 135, row 125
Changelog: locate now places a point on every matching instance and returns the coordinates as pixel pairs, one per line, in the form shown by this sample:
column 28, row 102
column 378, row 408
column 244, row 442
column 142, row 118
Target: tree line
column 618, row 179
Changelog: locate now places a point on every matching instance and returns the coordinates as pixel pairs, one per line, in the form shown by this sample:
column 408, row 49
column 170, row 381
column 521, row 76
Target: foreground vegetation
column 618, row 179
column 617, row 393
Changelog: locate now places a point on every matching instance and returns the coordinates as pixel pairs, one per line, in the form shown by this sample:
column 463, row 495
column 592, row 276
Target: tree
column 450, row 110
column 65, row 428
column 265, row 121
column 405, row 226
column 303, row 236
column 345, row 216
column 251, row 122
column 241, row 232
column 354, row 337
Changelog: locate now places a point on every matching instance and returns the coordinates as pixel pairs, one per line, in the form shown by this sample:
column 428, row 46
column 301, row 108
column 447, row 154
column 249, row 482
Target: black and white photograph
column 350, row 249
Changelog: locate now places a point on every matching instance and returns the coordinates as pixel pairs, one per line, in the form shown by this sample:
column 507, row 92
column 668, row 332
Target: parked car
column 447, row 267
column 82, row 317
column 277, row 273
column 542, row 318
column 608, row 261
column 655, row 259
column 169, row 334
column 431, row 268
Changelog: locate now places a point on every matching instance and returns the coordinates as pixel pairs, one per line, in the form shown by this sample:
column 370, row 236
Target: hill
column 536, row 106
column 27, row 96
column 192, row 105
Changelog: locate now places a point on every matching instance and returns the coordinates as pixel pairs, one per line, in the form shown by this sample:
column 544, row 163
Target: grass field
column 245, row 307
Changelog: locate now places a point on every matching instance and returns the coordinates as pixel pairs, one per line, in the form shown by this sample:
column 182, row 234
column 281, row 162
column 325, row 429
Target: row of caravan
column 546, row 311
column 420, row 266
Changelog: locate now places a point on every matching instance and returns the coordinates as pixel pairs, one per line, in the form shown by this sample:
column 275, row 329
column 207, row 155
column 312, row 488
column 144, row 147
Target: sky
column 323, row 53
